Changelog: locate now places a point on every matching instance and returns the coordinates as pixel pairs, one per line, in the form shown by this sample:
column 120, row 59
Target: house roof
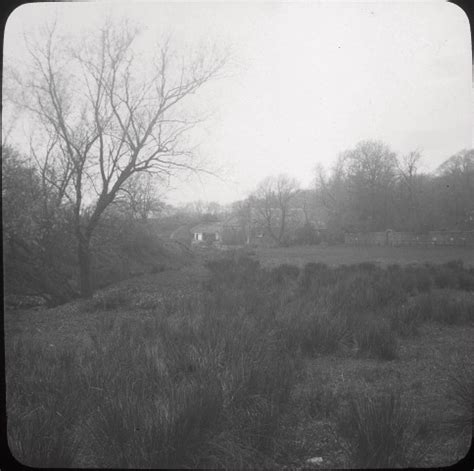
column 181, row 232
column 209, row 228
column 232, row 221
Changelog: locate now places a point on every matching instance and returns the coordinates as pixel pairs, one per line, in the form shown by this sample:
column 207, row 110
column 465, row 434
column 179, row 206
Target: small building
column 207, row 234
column 182, row 235
column 219, row 234
column 234, row 232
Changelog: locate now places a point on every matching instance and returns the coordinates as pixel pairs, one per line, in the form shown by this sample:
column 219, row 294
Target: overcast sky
column 307, row 81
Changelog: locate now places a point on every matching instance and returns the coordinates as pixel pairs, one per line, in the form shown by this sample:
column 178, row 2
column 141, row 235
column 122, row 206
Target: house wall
column 209, row 237
column 452, row 238
column 233, row 236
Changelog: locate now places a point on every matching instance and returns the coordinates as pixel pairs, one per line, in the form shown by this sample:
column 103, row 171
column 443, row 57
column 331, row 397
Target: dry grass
column 377, row 430
column 249, row 370
column 341, row 254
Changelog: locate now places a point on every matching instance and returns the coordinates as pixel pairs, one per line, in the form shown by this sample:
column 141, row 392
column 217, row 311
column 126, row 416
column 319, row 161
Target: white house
column 207, row 233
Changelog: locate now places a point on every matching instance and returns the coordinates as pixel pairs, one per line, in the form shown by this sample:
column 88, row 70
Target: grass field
column 224, row 364
column 342, row 254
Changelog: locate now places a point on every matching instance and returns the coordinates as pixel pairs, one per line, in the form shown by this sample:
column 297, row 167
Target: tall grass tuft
column 460, row 392
column 444, row 308
column 377, row 431
column 43, row 405
column 405, row 320
column 375, row 337
column 206, row 381
column 202, row 385
column 314, row 330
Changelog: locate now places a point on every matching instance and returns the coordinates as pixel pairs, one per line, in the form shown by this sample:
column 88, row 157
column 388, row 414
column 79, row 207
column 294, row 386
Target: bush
column 377, row 431
column 307, row 235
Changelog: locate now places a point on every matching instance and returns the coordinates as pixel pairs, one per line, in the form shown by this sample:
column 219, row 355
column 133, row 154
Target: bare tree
column 110, row 117
column 272, row 201
column 456, row 179
column 242, row 210
column 370, row 170
column 332, row 196
column 141, row 196
column 407, row 169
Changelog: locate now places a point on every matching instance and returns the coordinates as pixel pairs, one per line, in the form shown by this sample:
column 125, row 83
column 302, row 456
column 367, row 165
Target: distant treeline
column 372, row 189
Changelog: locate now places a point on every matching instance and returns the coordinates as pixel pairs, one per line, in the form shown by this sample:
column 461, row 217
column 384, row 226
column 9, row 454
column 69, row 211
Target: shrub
column 377, row 431
column 307, row 235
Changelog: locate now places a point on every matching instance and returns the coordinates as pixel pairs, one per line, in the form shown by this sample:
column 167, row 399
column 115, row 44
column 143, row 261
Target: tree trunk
column 84, row 261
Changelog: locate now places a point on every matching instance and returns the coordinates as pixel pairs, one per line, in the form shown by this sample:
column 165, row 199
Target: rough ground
column 68, row 322
column 421, row 372
column 344, row 254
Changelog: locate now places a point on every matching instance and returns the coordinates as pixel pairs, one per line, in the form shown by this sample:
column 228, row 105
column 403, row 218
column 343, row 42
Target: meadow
column 236, row 363
column 344, row 254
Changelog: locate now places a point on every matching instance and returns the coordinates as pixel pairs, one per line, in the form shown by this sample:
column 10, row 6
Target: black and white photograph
column 238, row 235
